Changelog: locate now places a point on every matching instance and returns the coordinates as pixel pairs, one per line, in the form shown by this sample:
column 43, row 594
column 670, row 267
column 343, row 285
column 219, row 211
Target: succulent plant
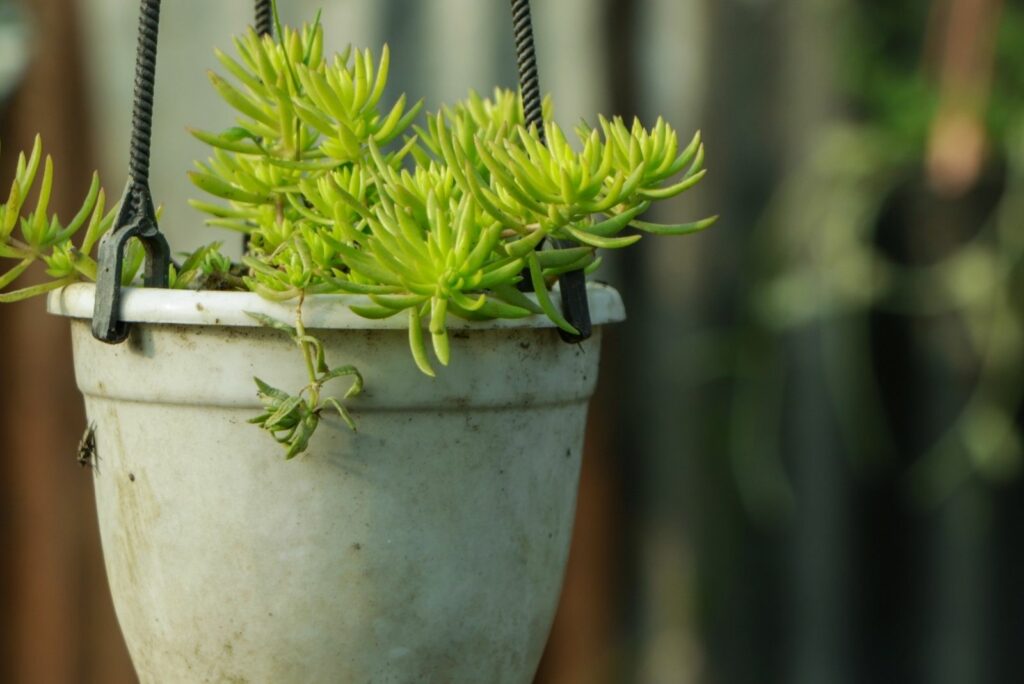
column 339, row 191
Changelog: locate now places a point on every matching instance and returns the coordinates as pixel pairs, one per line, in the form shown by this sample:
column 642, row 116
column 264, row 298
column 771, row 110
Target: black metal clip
column 135, row 219
column 575, row 305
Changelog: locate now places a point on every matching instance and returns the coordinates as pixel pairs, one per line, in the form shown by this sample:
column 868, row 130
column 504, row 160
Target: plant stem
column 86, row 266
column 25, row 249
column 307, row 355
column 279, row 206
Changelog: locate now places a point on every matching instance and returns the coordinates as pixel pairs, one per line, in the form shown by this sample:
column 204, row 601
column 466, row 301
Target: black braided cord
column 526, row 58
column 265, row 27
column 136, row 217
column 145, row 83
column 264, row 18
column 573, row 285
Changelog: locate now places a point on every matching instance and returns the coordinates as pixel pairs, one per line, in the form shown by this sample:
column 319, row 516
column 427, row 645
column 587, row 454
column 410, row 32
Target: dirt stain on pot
column 140, row 341
column 136, row 508
column 185, row 338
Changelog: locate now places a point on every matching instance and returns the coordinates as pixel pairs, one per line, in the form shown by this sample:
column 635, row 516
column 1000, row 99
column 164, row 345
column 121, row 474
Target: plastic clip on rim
column 136, row 219
column 573, row 285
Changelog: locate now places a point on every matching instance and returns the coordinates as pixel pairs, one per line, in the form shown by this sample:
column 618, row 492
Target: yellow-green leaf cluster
column 31, row 235
column 341, row 192
column 339, row 189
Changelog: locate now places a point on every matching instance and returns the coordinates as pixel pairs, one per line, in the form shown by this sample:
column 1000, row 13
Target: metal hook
column 135, row 219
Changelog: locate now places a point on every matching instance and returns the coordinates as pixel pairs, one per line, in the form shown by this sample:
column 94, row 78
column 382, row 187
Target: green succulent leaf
column 342, row 189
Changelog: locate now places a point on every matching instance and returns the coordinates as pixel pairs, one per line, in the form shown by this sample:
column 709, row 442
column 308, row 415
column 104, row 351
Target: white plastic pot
column 428, row 547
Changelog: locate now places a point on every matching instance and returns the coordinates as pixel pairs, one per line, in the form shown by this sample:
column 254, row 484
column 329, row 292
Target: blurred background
column 804, row 460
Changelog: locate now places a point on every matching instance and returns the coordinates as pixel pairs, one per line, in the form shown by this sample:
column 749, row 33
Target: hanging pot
column 428, row 546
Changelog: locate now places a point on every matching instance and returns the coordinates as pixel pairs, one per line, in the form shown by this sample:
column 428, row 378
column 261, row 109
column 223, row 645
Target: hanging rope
column 265, row 27
column 136, row 217
column 145, row 79
column 264, row 18
column 573, row 285
column 526, row 58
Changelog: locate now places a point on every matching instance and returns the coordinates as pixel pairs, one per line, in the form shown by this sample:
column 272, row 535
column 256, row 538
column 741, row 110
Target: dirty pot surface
column 428, row 547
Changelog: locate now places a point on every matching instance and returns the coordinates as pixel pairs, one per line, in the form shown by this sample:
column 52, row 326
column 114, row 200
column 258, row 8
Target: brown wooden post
column 57, row 619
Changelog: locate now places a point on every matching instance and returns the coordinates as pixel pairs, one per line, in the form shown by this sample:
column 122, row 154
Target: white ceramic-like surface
column 428, row 547
column 146, row 305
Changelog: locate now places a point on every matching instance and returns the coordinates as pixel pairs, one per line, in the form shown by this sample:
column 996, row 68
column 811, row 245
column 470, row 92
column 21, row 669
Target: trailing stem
column 293, row 419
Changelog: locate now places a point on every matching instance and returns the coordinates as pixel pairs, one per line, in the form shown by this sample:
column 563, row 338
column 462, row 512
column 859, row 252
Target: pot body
column 429, row 546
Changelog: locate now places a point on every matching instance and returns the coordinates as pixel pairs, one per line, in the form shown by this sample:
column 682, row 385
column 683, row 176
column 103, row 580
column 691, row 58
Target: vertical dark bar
column 264, row 18
column 145, row 79
column 264, row 26
column 573, row 285
column 526, row 60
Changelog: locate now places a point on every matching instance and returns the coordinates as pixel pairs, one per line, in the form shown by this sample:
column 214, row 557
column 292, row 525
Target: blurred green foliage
column 854, row 234
column 889, row 85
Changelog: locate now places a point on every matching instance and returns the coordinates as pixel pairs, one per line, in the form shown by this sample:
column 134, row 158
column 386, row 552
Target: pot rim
column 324, row 312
